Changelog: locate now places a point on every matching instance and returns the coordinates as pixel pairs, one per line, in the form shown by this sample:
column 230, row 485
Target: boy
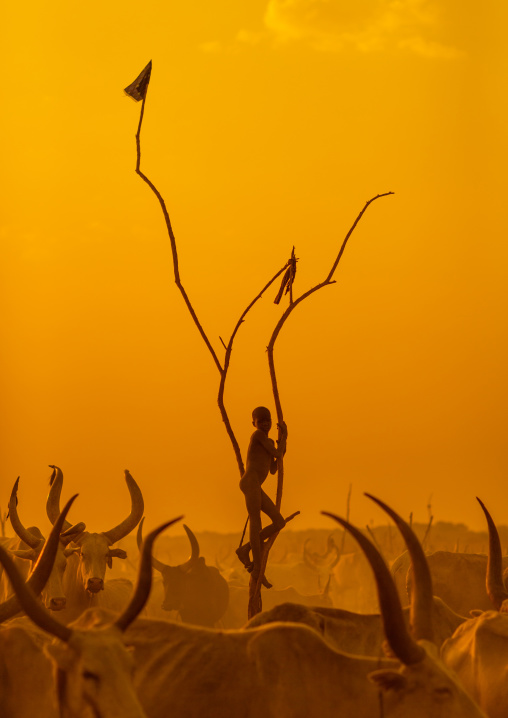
column 262, row 458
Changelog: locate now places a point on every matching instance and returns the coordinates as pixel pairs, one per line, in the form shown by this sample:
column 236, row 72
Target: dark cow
column 198, row 592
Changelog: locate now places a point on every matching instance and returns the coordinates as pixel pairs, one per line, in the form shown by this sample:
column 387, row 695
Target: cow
column 21, row 655
column 92, row 664
column 83, row 581
column 458, row 578
column 361, row 634
column 27, row 548
column 199, row 593
column 287, row 669
column 478, row 650
column 279, row 669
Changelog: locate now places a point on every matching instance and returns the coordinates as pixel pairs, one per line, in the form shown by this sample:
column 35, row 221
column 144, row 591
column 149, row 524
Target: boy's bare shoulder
column 257, row 434
column 259, row 437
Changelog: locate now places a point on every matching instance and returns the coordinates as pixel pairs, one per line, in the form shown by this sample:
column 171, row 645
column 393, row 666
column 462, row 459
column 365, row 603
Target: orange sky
column 267, row 124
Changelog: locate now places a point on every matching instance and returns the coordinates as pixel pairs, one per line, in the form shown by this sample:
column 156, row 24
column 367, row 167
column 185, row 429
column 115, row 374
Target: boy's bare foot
column 243, row 554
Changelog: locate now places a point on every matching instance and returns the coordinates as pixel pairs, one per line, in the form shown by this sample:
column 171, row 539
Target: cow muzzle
column 94, row 585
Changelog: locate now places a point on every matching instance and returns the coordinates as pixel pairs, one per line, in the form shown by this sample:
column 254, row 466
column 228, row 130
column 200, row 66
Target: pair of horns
column 403, row 645
column 26, row 595
column 114, row 534
column 66, row 535
column 160, row 565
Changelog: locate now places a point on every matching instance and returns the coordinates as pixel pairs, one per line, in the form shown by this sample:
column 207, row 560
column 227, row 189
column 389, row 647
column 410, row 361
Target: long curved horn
column 144, row 582
column 194, row 549
column 53, row 501
column 20, row 530
column 26, row 593
column 421, row 598
column 158, row 565
column 397, row 635
column 494, row 581
column 132, row 520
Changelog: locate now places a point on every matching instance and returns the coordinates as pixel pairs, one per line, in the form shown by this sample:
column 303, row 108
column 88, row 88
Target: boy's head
column 261, row 418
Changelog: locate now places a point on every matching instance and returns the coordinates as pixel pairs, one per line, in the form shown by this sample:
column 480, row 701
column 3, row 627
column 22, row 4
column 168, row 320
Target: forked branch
column 254, row 598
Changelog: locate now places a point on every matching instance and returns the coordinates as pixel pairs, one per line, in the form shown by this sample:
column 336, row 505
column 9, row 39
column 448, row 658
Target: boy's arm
column 268, row 444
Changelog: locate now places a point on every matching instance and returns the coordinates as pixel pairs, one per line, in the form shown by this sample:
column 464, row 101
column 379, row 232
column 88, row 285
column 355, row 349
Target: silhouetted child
column 262, row 458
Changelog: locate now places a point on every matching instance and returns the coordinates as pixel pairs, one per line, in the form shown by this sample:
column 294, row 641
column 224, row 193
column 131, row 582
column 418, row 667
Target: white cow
column 83, row 581
column 93, row 665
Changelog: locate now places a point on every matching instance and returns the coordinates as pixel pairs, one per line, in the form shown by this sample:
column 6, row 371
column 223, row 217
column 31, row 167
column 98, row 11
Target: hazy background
column 267, row 124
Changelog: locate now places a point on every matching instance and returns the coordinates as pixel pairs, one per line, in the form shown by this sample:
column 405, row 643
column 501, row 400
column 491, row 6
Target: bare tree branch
column 254, row 592
column 222, row 369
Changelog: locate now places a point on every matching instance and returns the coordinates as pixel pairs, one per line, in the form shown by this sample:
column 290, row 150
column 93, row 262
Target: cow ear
column 109, row 561
column 117, row 553
column 387, row 680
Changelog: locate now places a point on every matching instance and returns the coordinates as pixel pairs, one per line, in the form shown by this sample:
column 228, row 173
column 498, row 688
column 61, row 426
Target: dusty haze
column 262, row 130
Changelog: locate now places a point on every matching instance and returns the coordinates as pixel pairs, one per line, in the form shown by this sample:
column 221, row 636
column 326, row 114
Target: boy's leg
column 253, row 502
column 269, row 508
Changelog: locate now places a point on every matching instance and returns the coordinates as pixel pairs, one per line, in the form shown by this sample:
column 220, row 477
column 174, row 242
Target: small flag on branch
column 287, row 280
column 137, row 89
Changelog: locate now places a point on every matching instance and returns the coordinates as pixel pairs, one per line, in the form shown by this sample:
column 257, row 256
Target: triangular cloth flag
column 137, row 89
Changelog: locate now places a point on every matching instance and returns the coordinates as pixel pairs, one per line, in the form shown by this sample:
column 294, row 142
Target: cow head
column 93, row 550
column 94, row 556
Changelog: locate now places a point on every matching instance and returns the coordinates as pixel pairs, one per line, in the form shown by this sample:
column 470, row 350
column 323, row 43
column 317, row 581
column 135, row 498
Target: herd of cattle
column 80, row 640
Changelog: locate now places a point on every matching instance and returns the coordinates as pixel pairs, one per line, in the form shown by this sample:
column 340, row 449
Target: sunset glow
column 267, row 125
